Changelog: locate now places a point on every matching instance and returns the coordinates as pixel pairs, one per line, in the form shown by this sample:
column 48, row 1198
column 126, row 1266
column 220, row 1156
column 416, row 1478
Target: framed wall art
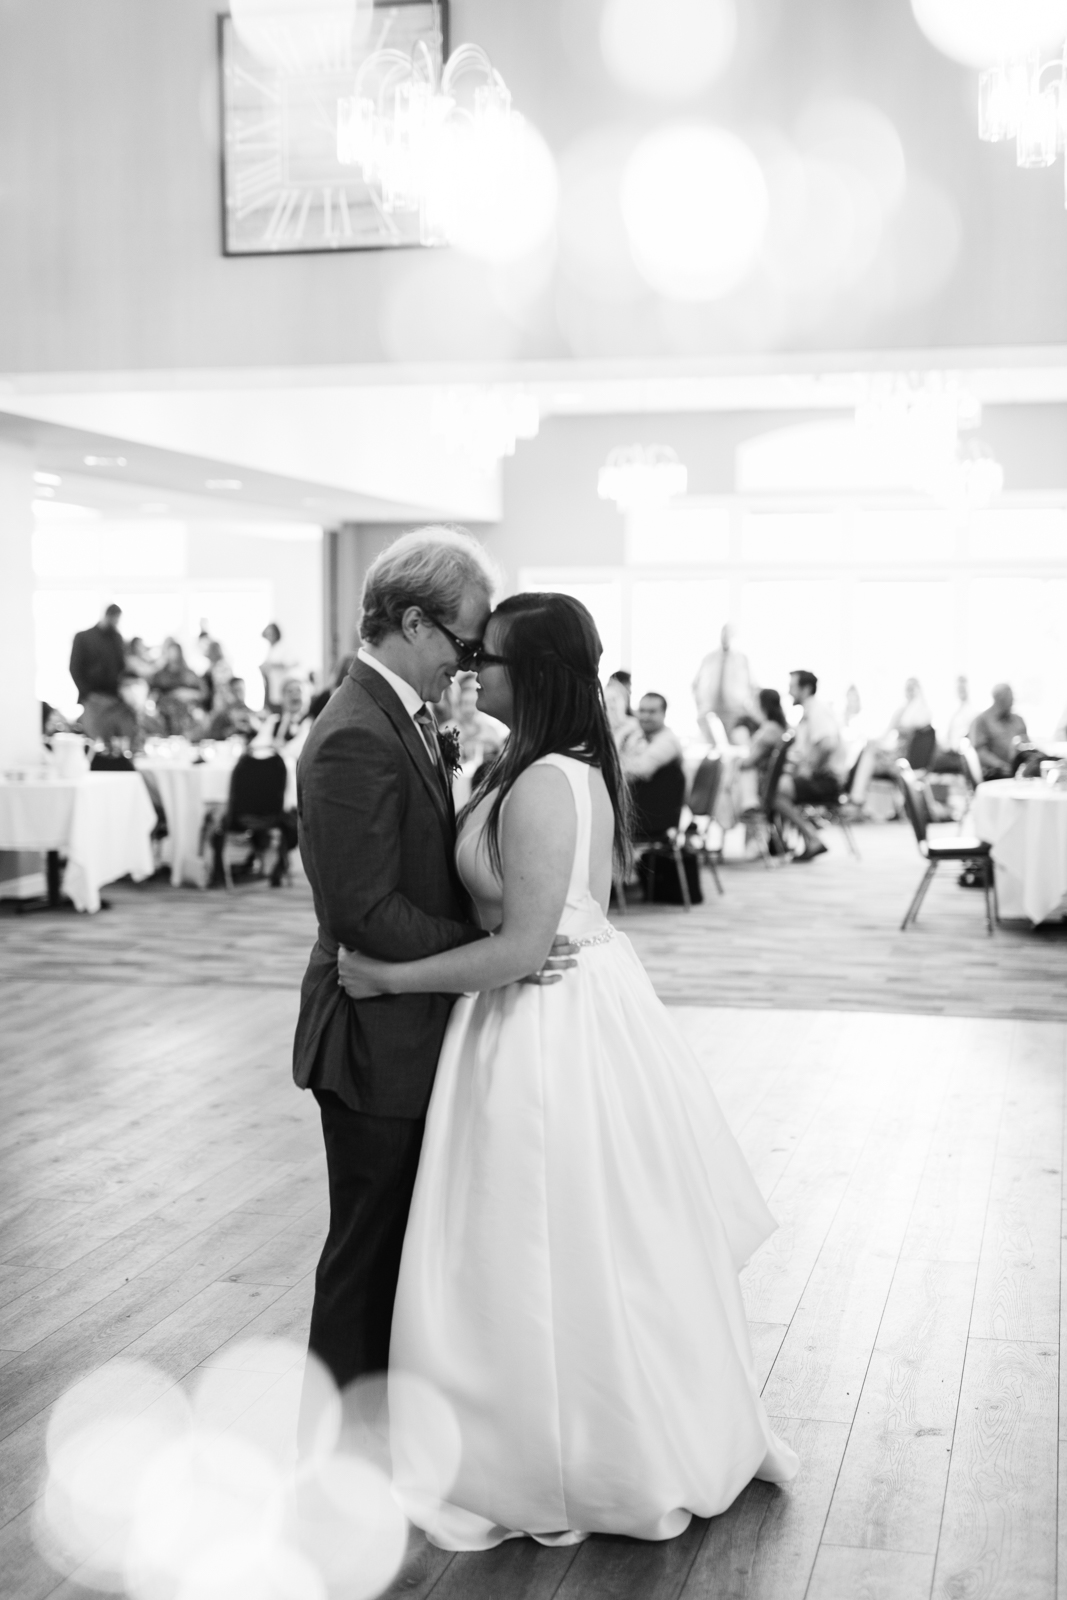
column 284, row 190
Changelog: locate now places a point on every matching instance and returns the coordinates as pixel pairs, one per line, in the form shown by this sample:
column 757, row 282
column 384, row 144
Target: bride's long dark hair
column 553, row 651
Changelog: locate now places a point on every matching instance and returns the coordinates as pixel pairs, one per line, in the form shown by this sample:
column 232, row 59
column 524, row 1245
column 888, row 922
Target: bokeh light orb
column 351, row 1526
column 594, row 249
column 669, row 49
column 503, row 193
column 855, row 133
column 695, row 205
column 979, row 33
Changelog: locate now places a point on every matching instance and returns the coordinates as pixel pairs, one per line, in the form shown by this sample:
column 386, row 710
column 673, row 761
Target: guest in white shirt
column 816, row 767
column 286, row 730
column 276, row 667
column 959, row 725
column 659, row 745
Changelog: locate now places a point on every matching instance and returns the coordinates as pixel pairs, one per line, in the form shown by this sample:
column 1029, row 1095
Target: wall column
column 347, row 553
column 20, row 714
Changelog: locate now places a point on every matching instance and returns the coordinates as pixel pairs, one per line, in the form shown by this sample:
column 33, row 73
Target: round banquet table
column 185, row 790
column 102, row 822
column 1025, row 821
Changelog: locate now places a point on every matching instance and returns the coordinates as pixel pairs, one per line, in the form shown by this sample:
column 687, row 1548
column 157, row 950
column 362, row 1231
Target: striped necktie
column 426, row 726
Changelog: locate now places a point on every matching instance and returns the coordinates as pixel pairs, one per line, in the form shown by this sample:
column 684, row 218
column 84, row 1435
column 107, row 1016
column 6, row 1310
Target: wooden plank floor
column 162, row 1195
column 823, row 937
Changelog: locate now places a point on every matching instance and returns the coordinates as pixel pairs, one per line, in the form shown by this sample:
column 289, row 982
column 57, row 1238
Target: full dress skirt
column 569, row 1279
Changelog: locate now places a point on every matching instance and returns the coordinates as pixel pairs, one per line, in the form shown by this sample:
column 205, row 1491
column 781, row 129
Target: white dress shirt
column 644, row 757
column 408, row 697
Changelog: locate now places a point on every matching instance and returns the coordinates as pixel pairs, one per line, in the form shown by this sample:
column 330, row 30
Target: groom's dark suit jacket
column 377, row 840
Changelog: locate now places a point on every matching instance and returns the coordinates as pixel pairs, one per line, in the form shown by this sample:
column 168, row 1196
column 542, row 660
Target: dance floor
column 162, row 1197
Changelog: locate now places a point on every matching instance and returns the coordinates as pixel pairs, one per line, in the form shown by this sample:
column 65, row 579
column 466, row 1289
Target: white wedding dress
column 569, row 1278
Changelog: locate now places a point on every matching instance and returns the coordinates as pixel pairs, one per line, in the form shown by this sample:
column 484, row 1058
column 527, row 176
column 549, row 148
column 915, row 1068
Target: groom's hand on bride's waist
column 560, row 957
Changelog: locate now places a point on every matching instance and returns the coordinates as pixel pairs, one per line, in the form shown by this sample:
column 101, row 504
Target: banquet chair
column 703, row 794
column 974, row 852
column 972, row 767
column 657, row 804
column 256, row 809
column 922, row 743
column 770, row 835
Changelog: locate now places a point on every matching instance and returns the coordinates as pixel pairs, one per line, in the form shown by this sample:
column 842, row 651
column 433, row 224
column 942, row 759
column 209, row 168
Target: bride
column 569, row 1277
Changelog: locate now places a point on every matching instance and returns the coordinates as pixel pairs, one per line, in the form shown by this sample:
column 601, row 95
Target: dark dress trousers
column 377, row 840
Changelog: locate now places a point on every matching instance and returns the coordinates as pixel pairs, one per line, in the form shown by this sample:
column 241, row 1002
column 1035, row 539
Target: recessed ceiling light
column 223, row 483
column 104, row 461
column 47, row 477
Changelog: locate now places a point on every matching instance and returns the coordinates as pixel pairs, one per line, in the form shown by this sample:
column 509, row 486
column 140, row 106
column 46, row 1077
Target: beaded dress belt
column 601, row 936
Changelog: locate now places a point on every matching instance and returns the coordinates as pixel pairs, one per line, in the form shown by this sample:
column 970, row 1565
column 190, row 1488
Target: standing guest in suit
column 724, row 687
column 377, row 840
column 97, row 663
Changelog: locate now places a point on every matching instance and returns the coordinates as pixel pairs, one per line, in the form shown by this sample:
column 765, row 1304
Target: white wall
column 172, row 578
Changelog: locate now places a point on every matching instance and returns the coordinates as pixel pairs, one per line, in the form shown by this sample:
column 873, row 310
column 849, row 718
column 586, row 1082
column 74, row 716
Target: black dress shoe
column 811, row 852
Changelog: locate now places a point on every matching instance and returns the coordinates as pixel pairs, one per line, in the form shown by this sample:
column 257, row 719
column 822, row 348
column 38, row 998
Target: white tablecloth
column 101, row 822
column 1026, row 824
column 185, row 791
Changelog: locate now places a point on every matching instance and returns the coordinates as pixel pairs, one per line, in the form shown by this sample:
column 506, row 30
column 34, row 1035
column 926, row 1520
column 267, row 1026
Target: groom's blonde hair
column 431, row 567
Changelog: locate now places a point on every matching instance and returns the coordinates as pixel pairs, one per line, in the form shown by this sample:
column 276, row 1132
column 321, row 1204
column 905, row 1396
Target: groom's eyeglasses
column 470, row 654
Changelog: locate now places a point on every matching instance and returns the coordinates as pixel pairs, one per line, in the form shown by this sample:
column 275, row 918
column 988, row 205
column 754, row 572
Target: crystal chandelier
column 641, row 475
column 413, row 122
column 1026, row 101
column 484, row 424
column 918, row 419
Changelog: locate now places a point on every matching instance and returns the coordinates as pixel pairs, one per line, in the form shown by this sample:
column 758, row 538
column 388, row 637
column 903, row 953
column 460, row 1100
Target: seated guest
column 340, row 672
column 234, row 716
column 286, row 730
column 480, row 737
column 817, row 763
column 217, row 676
column 139, row 659
column 658, row 745
column 769, row 732
column 625, row 728
column 998, row 735
column 177, row 690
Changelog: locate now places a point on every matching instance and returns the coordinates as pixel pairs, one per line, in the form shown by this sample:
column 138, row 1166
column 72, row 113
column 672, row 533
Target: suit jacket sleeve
column 355, row 827
column 79, row 664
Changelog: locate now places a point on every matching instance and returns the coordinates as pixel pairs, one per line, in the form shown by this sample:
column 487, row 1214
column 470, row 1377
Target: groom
column 377, row 836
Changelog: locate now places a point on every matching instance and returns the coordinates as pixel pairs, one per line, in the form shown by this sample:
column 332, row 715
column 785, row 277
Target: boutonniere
column 448, row 744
